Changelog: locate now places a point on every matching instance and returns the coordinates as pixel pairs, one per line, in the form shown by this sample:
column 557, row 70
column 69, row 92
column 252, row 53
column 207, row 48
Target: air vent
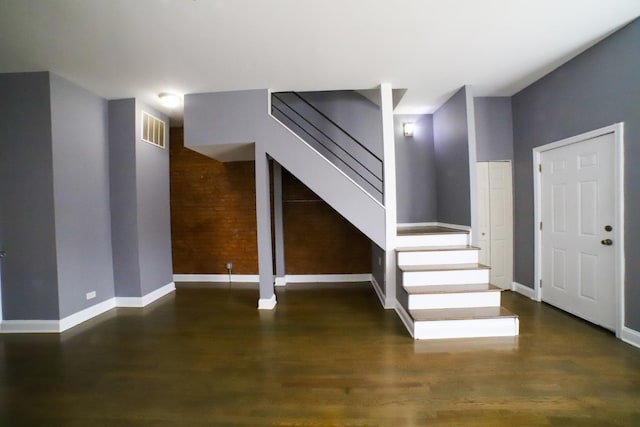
column 152, row 130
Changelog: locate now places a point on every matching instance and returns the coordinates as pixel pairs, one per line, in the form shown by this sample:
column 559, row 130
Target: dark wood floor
column 327, row 356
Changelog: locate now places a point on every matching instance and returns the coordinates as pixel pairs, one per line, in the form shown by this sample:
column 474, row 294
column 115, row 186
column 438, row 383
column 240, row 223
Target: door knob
column 3, row 254
column 607, row 242
column 608, row 228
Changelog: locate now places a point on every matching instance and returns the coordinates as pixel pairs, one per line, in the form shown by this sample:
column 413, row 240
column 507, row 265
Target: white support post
column 473, row 182
column 389, row 176
column 267, row 299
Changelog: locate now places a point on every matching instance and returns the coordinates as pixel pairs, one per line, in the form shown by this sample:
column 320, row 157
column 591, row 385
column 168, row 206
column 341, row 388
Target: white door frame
column 618, row 234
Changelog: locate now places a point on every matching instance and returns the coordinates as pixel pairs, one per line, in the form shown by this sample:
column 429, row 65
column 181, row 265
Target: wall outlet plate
column 229, row 266
column 91, row 295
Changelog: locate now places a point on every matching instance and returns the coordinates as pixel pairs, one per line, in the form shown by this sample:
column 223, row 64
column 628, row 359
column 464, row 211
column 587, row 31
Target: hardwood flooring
column 328, row 355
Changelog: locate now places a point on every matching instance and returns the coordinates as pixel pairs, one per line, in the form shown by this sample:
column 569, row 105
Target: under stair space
column 448, row 294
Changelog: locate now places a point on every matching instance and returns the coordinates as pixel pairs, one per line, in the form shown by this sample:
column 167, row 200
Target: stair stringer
column 328, row 181
column 224, row 125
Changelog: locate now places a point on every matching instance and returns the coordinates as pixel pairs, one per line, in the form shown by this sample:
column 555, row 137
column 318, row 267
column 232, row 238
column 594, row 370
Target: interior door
column 495, row 220
column 484, row 216
column 578, row 217
column 501, row 211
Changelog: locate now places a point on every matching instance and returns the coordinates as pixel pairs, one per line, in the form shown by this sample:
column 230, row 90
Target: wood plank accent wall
column 213, row 221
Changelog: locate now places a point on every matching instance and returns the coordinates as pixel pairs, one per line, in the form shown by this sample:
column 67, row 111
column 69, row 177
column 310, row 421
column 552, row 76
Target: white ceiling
column 138, row 48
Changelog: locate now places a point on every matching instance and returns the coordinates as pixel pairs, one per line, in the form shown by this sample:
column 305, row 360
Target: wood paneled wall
column 213, row 221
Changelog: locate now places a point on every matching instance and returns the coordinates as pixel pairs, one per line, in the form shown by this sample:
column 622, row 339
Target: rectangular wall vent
column 152, row 129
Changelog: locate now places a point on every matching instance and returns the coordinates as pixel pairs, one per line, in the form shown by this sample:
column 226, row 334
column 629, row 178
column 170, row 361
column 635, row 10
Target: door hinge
column 540, row 282
column 539, row 167
column 540, row 225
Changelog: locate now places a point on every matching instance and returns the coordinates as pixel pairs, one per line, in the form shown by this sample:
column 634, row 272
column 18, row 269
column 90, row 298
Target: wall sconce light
column 407, row 128
column 170, row 100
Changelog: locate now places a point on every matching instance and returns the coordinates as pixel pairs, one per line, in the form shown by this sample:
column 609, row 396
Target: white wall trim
column 56, row 326
column 279, row 281
column 267, row 303
column 378, row 290
column 147, row 299
column 217, row 278
column 618, row 131
column 326, row 278
column 630, row 336
column 29, row 326
column 406, row 318
column 86, row 314
column 524, row 290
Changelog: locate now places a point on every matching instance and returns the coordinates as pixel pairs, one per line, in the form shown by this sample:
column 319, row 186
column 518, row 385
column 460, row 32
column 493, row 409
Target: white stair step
column 433, row 239
column 464, row 323
column 432, row 255
column 447, row 274
column 453, row 297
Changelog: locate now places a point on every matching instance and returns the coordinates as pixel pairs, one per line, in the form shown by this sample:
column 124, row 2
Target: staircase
column 445, row 291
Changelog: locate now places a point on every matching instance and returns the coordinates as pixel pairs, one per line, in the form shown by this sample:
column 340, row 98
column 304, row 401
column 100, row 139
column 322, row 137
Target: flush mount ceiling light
column 407, row 128
column 170, row 100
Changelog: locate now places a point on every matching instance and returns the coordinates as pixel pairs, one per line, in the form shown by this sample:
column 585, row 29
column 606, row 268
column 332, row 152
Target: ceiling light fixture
column 170, row 100
column 407, row 128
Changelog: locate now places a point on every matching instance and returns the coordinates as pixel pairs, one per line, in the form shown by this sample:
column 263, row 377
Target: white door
column 578, row 223
column 495, row 220
column 484, row 217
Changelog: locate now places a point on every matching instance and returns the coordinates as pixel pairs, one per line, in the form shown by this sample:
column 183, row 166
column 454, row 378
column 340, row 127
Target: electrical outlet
column 229, row 266
column 91, row 295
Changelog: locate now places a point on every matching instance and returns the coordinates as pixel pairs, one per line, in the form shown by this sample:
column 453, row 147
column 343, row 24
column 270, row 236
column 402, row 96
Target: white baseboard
column 524, row 290
column 86, row 314
column 267, row 303
column 630, row 336
column 405, row 317
column 279, row 281
column 326, row 278
column 29, row 326
column 378, row 289
column 217, row 278
column 57, row 326
column 139, row 302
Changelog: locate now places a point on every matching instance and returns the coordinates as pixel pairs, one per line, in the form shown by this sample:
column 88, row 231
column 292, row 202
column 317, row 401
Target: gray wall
column 122, row 178
column 415, row 170
column 27, row 228
column 154, row 218
column 597, row 88
column 354, row 113
column 450, row 137
column 81, row 194
column 141, row 225
column 494, row 128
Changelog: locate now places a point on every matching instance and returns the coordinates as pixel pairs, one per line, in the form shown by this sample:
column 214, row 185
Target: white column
column 267, row 299
column 389, row 175
column 473, row 182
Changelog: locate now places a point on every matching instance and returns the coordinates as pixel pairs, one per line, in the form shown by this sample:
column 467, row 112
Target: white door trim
column 617, row 130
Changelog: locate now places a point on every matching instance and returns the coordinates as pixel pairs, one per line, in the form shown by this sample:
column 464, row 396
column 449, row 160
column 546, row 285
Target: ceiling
column 139, row 48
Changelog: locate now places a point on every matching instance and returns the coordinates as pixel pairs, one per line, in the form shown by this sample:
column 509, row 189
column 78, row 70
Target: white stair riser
column 454, row 300
column 468, row 328
column 448, row 239
column 444, row 277
column 437, row 257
